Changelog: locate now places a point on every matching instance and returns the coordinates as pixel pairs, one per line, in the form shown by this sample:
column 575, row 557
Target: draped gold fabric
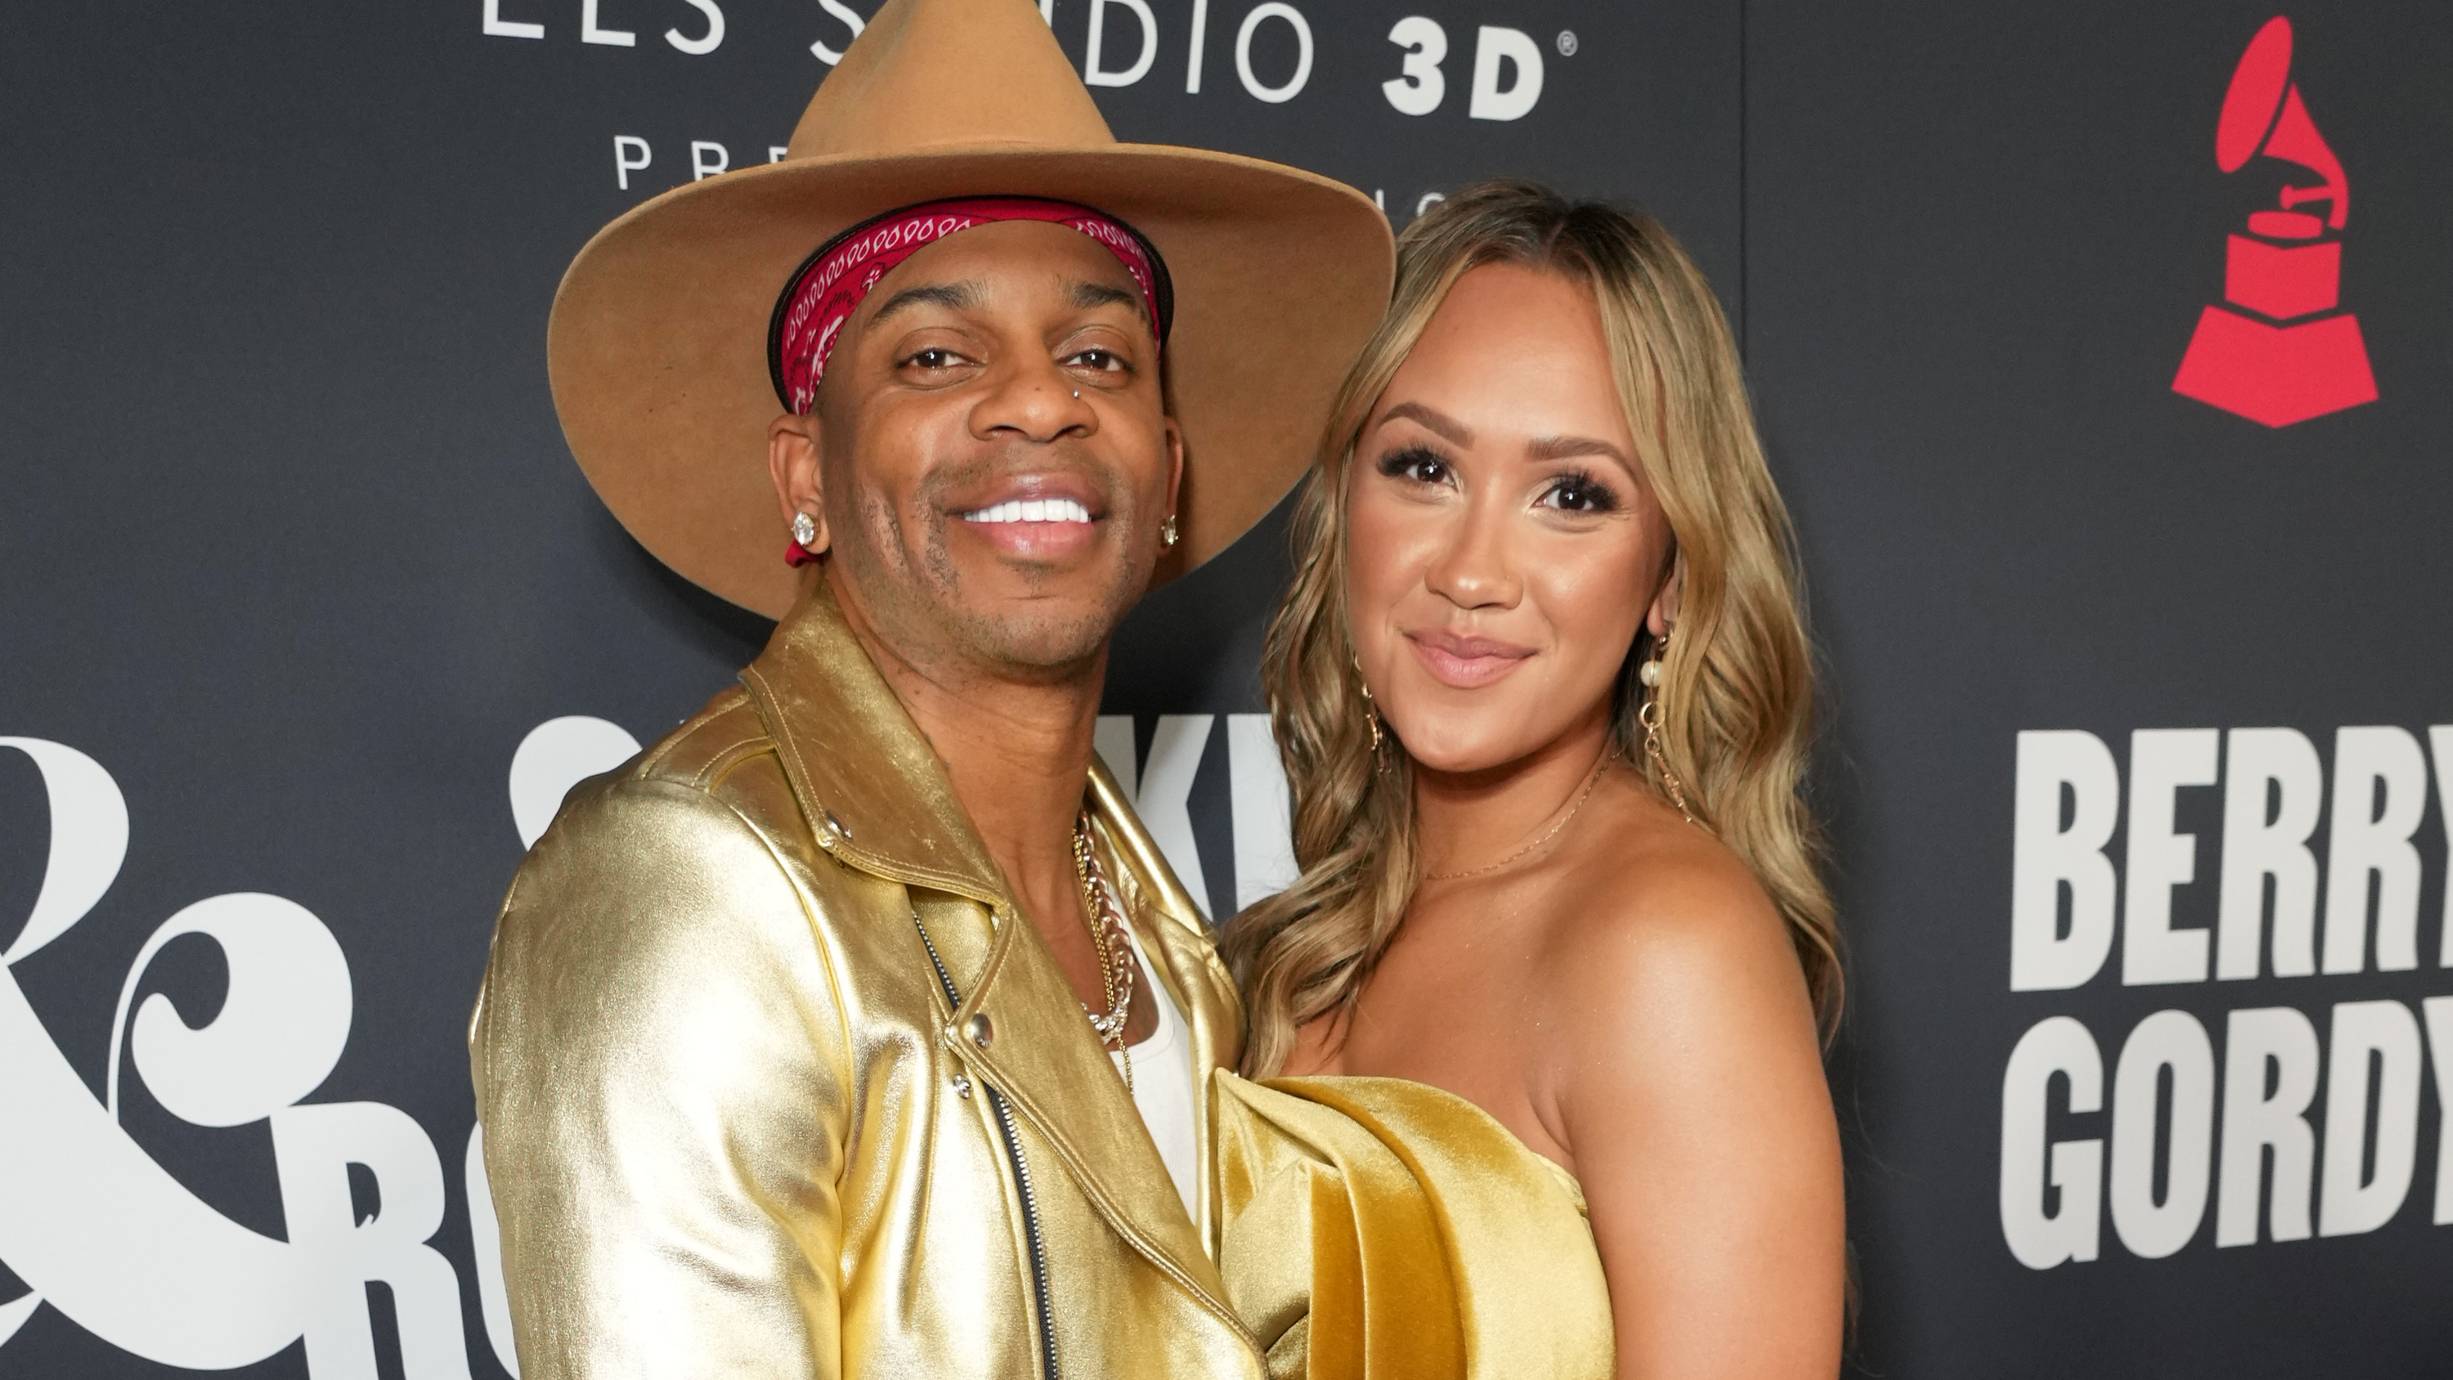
column 1381, row 1229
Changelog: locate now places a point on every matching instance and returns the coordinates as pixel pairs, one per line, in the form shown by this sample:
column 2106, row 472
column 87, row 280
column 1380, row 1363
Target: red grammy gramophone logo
column 2276, row 350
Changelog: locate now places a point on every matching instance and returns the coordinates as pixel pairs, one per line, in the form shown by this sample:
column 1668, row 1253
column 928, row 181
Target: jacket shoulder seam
column 712, row 735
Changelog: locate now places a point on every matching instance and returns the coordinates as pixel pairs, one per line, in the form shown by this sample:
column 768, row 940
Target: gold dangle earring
column 1371, row 710
column 1649, row 715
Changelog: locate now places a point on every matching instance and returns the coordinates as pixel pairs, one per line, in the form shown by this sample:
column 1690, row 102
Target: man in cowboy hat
column 857, row 1027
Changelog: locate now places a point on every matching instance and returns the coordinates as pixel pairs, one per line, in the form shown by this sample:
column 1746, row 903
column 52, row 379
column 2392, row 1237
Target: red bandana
column 830, row 287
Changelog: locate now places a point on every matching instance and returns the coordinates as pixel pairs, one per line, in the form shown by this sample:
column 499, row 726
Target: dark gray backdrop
column 294, row 556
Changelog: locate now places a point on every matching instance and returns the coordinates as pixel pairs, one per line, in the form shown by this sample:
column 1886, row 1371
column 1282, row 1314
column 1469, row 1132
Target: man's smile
column 1030, row 510
column 1032, row 515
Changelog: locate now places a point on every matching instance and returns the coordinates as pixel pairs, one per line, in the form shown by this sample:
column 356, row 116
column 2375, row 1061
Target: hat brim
column 657, row 343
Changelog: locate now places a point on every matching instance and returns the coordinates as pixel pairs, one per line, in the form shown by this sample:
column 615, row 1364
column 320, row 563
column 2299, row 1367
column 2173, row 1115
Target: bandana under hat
column 824, row 292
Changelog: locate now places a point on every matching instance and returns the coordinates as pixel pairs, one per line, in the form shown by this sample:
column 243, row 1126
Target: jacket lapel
column 877, row 797
column 1042, row 1054
column 1180, row 944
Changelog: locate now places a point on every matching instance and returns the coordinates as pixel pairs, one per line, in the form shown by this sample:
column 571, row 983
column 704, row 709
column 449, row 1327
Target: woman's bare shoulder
column 1659, row 928
column 1646, row 881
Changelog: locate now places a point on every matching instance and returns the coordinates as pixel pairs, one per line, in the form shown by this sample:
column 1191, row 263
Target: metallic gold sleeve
column 659, row 1060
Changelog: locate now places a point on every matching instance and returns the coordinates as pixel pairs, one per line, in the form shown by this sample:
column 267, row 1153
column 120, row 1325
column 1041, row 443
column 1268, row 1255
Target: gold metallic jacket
column 775, row 1081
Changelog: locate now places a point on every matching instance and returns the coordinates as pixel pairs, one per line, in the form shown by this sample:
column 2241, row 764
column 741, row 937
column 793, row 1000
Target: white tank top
column 1162, row 1082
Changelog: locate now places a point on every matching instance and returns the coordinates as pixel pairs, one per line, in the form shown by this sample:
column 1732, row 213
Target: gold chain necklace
column 1590, row 781
column 1114, row 949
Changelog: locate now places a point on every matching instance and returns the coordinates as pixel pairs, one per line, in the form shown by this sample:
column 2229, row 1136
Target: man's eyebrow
column 962, row 296
column 1089, row 296
column 1448, row 428
column 1562, row 447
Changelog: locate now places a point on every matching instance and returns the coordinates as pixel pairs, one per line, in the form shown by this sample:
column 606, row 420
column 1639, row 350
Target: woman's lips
column 1465, row 663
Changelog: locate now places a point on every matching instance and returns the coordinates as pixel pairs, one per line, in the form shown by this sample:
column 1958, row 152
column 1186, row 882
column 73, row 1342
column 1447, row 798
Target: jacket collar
column 875, row 792
column 878, row 798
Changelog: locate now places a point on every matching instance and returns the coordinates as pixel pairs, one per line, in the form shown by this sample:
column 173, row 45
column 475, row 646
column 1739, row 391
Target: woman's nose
column 1474, row 568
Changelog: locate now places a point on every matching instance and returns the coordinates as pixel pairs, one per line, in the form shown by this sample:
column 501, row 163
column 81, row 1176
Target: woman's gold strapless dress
column 1382, row 1229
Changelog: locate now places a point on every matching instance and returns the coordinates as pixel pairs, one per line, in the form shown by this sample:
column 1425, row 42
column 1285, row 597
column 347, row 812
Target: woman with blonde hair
column 1535, row 1081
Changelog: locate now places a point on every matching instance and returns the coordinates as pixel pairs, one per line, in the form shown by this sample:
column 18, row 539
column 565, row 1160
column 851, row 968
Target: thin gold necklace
column 1590, row 781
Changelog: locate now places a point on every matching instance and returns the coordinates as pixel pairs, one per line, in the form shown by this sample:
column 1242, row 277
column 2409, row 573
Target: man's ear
column 792, row 462
column 1175, row 469
column 1663, row 614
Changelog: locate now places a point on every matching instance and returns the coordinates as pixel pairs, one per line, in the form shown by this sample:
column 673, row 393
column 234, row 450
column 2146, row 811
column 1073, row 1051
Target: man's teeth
column 1031, row 510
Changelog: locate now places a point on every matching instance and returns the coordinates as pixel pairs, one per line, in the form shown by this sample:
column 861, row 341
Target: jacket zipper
column 1022, row 1173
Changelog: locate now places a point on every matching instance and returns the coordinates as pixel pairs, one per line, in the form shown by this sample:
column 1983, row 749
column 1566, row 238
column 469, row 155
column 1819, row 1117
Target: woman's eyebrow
column 1562, row 447
column 1447, row 428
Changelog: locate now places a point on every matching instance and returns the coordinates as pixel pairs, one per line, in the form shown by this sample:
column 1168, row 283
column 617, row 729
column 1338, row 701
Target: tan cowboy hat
column 658, row 340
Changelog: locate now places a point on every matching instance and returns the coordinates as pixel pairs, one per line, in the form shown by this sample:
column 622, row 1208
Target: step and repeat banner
column 2101, row 350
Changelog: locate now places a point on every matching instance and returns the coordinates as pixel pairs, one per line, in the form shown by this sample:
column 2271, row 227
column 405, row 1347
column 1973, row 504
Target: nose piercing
column 1077, row 395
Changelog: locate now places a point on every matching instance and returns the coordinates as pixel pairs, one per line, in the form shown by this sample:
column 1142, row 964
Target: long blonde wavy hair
column 1737, row 684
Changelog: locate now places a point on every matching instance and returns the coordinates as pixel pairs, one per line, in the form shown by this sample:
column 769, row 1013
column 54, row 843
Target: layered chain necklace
column 1114, row 947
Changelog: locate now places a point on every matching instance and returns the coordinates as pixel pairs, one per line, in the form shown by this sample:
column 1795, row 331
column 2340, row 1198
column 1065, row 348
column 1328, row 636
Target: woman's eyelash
column 1402, row 462
column 1597, row 496
column 1423, row 465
